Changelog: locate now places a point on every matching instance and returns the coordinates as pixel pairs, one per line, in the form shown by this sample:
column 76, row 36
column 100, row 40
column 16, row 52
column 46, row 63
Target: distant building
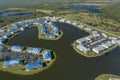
column 17, row 48
column 35, row 65
column 83, row 48
column 47, row 55
column 11, row 63
column 107, row 44
column 34, row 50
column 98, row 49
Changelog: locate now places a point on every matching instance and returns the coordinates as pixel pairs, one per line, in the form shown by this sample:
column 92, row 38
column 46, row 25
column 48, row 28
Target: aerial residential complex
column 30, row 58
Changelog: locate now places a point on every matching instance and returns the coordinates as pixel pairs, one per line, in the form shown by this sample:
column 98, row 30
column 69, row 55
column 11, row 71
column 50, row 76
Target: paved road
column 96, row 28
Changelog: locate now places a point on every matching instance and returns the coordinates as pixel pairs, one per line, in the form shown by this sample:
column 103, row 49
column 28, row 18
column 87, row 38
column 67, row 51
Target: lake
column 8, row 14
column 69, row 65
column 94, row 9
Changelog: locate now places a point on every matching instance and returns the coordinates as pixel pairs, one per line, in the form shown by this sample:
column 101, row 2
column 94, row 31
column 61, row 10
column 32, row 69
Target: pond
column 94, row 9
column 8, row 14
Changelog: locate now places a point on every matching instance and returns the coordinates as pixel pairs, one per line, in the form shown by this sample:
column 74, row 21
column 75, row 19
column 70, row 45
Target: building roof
column 34, row 65
column 90, row 37
column 1, row 31
column 107, row 44
column 47, row 54
column 43, row 28
column 52, row 24
column 11, row 62
column 14, row 31
column 1, row 47
column 8, row 34
column 83, row 48
column 2, row 39
column 34, row 49
column 99, row 48
column 17, row 47
column 81, row 40
column 46, row 21
column 95, row 33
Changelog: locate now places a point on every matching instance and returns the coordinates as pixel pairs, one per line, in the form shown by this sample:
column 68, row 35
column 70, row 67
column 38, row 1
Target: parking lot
column 28, row 57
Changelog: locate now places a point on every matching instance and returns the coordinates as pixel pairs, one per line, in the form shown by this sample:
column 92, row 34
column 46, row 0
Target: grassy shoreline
column 106, row 77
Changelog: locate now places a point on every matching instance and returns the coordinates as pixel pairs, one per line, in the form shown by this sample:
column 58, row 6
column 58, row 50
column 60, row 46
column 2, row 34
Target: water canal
column 69, row 65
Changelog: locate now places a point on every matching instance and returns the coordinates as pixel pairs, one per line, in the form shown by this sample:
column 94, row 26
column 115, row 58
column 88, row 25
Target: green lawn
column 107, row 25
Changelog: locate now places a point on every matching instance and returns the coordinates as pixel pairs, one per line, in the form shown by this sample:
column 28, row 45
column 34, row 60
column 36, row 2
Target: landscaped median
column 108, row 77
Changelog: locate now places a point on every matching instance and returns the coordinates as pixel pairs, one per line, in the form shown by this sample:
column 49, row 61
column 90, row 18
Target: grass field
column 107, row 25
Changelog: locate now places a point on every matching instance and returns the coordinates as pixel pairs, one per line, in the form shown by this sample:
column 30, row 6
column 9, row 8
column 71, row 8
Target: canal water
column 69, row 65
column 9, row 14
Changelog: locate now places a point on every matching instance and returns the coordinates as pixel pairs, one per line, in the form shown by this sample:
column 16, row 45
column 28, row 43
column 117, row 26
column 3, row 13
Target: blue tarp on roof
column 53, row 24
column 8, row 34
column 34, row 49
column 14, row 31
column 17, row 47
column 34, row 65
column 46, row 21
column 11, row 62
column 43, row 28
column 2, row 39
column 16, row 25
column 47, row 54
column 1, row 47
